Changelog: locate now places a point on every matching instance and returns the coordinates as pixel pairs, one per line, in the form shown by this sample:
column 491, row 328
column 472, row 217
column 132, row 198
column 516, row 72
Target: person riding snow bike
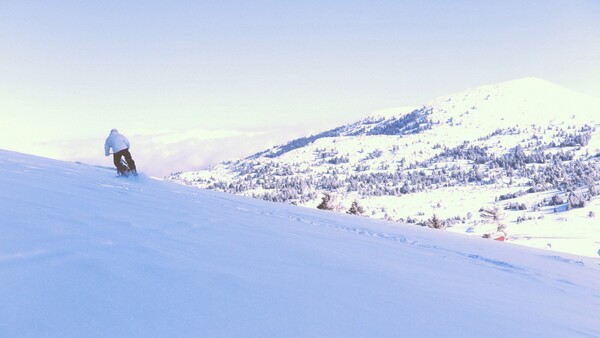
column 120, row 148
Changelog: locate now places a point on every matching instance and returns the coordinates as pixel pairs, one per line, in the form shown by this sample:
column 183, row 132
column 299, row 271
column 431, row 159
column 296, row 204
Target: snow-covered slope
column 84, row 253
column 528, row 147
column 471, row 114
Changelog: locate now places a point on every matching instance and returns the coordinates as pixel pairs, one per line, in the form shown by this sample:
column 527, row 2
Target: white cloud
column 174, row 136
column 160, row 152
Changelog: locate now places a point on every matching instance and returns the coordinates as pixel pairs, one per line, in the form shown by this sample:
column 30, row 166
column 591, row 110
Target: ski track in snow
column 427, row 249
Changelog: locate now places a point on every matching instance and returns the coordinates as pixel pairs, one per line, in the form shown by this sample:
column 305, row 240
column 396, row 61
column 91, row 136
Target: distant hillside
column 527, row 147
column 411, row 123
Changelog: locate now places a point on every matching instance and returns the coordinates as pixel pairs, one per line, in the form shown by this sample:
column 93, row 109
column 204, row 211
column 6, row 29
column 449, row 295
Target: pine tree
column 326, row 202
column 492, row 215
column 575, row 200
column 355, row 209
column 436, row 223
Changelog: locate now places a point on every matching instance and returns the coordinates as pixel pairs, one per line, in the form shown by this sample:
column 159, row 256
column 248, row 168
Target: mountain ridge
column 547, row 96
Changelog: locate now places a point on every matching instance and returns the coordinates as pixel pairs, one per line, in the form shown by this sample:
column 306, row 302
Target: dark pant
column 117, row 160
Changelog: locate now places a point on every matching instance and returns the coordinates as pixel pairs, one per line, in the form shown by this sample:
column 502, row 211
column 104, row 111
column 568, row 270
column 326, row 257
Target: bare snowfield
column 86, row 254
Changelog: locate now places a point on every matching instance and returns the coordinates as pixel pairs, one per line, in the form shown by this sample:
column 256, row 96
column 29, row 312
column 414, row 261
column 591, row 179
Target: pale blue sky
column 75, row 69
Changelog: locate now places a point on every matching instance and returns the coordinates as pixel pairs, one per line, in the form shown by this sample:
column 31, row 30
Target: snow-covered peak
column 471, row 114
column 520, row 102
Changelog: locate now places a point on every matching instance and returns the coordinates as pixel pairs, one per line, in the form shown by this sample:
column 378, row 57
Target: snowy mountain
column 472, row 114
column 86, row 254
column 526, row 147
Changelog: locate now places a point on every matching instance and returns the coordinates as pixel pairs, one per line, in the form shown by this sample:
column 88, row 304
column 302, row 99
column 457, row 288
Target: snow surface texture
column 84, row 253
column 533, row 114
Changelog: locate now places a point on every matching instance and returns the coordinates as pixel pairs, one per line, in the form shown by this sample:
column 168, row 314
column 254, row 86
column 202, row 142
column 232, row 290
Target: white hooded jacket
column 115, row 141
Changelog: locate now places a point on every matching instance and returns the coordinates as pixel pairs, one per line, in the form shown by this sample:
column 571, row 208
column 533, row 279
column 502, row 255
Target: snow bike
column 127, row 171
